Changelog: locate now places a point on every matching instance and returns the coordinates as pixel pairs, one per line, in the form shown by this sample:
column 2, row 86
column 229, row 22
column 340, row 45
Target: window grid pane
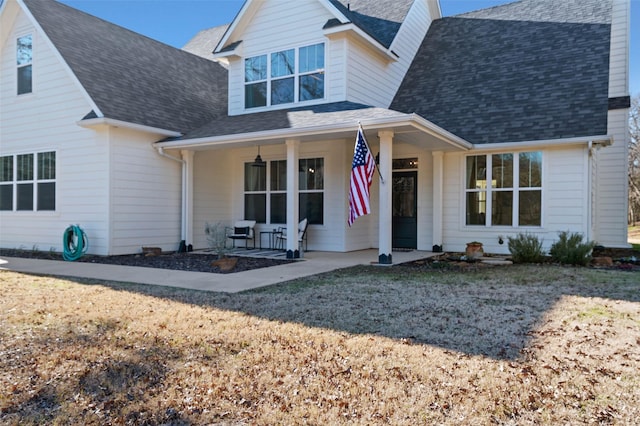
column 530, row 208
column 255, row 95
column 312, row 207
column 255, row 178
column 530, row 170
column 25, row 196
column 25, row 79
column 311, row 58
column 279, row 175
column 477, row 172
column 502, row 208
column 311, row 174
column 25, row 167
column 283, row 63
column 255, row 69
column 311, row 87
column 476, row 208
column 502, row 171
column 282, row 91
column 6, row 197
column 24, row 50
column 46, row 196
column 46, row 165
column 255, row 207
column 6, row 168
column 278, row 208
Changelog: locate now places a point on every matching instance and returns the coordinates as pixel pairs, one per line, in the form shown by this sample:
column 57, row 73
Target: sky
column 175, row 22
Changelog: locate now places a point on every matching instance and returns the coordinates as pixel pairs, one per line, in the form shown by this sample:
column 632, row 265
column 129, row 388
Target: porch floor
column 360, row 257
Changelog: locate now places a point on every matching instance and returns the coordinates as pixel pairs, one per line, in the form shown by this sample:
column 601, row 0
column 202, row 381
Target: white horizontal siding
column 565, row 202
column 213, row 197
column 619, row 55
column 146, row 191
column 277, row 25
column 612, row 202
column 336, row 70
column 373, row 81
column 45, row 120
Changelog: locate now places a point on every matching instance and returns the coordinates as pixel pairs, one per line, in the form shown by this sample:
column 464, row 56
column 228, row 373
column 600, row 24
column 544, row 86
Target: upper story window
column 285, row 77
column 24, row 56
column 504, row 189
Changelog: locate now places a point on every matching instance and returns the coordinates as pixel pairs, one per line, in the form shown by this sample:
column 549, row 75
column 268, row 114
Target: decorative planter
column 474, row 250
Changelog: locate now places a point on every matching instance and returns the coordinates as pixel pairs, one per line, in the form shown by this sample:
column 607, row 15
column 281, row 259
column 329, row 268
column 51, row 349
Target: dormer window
column 24, row 54
column 284, row 77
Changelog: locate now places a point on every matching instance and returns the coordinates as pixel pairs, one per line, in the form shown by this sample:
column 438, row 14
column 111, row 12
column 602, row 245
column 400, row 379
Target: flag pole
column 375, row 164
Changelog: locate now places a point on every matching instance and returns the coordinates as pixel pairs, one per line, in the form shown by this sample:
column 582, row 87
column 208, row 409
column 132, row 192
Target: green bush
column 526, row 248
column 571, row 250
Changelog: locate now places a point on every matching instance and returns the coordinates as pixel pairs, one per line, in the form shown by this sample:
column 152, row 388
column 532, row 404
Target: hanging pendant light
column 259, row 162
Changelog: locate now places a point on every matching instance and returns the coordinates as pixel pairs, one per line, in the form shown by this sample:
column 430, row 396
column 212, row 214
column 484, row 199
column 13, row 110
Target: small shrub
column 571, row 250
column 216, row 238
column 526, row 248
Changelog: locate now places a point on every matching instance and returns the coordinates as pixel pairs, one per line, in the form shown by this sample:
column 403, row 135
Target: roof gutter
column 240, row 139
column 602, row 140
column 91, row 122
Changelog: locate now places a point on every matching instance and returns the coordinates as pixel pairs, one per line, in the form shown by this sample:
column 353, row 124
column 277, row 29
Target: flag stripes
column 362, row 170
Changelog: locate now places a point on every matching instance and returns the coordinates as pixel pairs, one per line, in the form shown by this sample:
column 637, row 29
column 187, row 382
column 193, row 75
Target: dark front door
column 405, row 210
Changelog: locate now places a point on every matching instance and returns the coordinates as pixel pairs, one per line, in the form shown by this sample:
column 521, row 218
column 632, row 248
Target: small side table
column 272, row 238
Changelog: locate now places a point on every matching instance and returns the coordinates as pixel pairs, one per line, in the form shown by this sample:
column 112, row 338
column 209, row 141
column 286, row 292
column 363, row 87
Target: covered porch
column 218, row 165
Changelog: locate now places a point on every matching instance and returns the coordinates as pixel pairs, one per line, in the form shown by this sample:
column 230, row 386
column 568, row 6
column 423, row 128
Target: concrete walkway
column 313, row 263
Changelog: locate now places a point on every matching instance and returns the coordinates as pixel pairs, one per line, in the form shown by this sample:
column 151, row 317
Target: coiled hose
column 74, row 243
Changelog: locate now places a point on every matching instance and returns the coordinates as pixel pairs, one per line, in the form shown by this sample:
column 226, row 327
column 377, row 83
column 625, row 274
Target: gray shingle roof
column 294, row 118
column 381, row 19
column 204, row 43
column 531, row 70
column 131, row 77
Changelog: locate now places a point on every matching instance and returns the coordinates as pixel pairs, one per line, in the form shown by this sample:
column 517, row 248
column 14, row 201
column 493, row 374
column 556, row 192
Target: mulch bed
column 622, row 259
column 626, row 259
column 177, row 261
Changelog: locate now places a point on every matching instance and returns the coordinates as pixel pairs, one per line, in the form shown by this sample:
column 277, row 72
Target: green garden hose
column 74, row 243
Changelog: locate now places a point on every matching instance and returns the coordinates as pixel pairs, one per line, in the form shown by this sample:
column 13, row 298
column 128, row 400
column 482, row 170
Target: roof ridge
column 484, row 9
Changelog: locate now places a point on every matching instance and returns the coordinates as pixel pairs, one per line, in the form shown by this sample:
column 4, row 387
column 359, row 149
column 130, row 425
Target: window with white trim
column 284, row 77
column 260, row 198
column 28, row 182
column 504, row 189
column 24, row 60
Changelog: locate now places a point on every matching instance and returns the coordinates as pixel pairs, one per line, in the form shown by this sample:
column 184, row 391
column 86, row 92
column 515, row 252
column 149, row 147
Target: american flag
column 362, row 170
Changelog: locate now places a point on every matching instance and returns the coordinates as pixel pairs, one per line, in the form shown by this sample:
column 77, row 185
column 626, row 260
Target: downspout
column 592, row 188
column 183, row 212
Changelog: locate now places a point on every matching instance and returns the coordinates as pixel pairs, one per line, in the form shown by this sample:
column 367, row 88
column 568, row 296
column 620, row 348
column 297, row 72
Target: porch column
column 438, row 191
column 293, row 147
column 386, row 194
column 187, row 196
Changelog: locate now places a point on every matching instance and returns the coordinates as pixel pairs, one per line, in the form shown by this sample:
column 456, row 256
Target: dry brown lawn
column 516, row 345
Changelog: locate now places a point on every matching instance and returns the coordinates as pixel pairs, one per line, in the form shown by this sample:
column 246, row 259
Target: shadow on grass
column 97, row 385
column 491, row 312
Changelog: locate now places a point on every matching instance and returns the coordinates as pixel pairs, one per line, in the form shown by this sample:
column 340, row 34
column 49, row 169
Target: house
column 488, row 124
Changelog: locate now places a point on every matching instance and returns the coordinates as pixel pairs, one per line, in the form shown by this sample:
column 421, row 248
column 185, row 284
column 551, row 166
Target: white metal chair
column 242, row 230
column 281, row 238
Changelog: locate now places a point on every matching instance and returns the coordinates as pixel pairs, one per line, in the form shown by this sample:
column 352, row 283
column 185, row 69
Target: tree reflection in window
column 24, row 56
